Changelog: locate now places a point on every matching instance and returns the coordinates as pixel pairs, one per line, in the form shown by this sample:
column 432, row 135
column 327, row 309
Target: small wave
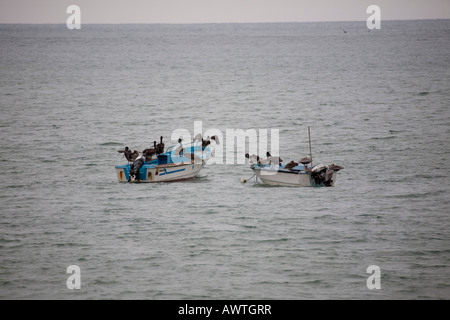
column 416, row 194
column 103, row 281
column 17, row 186
column 48, row 160
column 383, row 138
column 274, row 240
column 3, row 240
column 68, row 244
column 111, row 144
column 313, row 282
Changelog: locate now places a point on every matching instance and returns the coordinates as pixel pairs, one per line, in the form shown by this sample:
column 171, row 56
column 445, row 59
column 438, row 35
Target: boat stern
column 123, row 172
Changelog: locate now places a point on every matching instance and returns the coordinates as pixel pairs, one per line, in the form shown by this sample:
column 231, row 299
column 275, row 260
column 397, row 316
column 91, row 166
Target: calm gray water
column 377, row 103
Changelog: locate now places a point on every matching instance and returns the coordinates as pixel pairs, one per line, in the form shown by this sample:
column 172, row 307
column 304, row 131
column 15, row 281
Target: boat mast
column 310, row 153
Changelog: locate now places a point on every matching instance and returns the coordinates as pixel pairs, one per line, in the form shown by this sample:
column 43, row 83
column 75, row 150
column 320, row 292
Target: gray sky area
column 217, row 11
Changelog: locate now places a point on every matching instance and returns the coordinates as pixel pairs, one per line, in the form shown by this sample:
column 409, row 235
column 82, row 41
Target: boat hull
column 160, row 173
column 286, row 178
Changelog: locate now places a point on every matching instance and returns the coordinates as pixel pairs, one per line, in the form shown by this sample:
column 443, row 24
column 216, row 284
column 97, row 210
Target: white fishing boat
column 299, row 176
column 273, row 171
column 176, row 164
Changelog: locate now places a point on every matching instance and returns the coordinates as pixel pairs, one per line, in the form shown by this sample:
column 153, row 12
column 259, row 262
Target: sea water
column 376, row 101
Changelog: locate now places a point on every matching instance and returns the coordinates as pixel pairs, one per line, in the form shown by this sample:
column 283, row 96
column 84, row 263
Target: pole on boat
column 310, row 153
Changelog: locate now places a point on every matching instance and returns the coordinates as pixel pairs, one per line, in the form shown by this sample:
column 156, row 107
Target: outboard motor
column 318, row 174
column 135, row 166
column 323, row 174
column 327, row 178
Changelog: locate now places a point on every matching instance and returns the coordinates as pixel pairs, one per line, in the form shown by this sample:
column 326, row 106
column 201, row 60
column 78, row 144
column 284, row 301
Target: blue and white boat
column 273, row 171
column 175, row 164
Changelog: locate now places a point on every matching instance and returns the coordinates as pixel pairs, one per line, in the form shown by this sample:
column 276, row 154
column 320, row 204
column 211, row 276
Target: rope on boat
column 243, row 180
